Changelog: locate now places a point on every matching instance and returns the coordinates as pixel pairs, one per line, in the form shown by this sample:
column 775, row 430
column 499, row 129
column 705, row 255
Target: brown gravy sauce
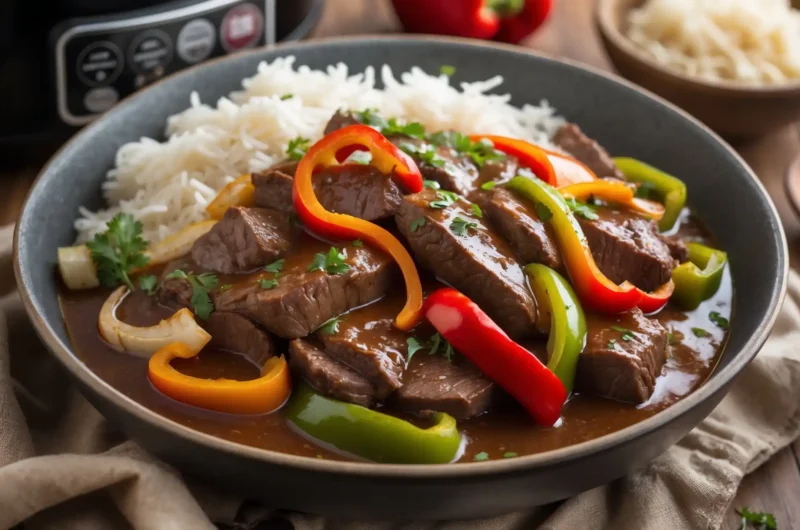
column 690, row 362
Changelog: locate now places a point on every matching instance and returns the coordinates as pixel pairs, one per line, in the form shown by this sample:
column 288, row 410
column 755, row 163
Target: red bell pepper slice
column 472, row 333
column 388, row 159
column 529, row 155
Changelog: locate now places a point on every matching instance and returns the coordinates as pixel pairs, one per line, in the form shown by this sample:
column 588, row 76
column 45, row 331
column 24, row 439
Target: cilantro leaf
column 177, row 273
column 329, row 327
column 760, row 520
column 148, row 284
column 268, row 284
column 201, row 284
column 581, row 209
column 435, row 343
column 413, row 129
column 297, row 148
column 627, row 335
column 460, row 226
column 426, row 153
column 510, row 454
column 370, row 117
column 119, row 250
column 476, row 211
column 275, row 267
column 445, row 199
column 332, row 262
column 480, row 457
column 432, row 184
column 718, row 319
column 486, row 186
column 417, row 223
column 700, row 333
column 447, row 70
column 413, row 347
column 286, row 96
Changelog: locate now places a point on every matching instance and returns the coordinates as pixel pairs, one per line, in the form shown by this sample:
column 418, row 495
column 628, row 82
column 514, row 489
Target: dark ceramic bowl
column 628, row 120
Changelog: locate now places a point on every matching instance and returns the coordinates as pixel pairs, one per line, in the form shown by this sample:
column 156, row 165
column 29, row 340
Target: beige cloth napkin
column 63, row 466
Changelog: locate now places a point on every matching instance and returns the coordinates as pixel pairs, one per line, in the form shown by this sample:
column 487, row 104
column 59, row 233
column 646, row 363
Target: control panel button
column 100, row 99
column 242, row 27
column 196, row 40
column 150, row 50
column 100, row 63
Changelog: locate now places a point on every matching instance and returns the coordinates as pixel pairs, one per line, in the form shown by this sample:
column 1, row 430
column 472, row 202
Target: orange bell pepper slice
column 240, row 192
column 258, row 396
column 614, row 192
column 568, row 170
column 386, row 158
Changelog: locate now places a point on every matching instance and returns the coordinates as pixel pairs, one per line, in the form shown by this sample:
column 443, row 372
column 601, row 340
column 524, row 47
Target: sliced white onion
column 178, row 244
column 180, row 327
column 77, row 268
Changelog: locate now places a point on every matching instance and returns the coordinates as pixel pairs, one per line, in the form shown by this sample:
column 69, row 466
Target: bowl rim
column 610, row 30
column 718, row 380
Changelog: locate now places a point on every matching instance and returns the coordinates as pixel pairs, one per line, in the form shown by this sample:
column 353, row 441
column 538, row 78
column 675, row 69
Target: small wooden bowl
column 734, row 110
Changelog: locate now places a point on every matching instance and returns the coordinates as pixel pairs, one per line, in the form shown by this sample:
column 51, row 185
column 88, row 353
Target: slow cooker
column 62, row 64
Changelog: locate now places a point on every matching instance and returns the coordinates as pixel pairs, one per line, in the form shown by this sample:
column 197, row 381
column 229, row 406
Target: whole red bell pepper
column 473, row 334
column 505, row 20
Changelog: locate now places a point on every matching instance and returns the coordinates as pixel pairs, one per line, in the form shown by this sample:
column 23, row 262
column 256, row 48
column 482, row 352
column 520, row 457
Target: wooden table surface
column 775, row 487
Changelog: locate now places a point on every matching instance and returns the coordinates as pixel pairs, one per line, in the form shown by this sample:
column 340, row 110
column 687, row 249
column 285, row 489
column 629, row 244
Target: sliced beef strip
column 519, row 223
column 360, row 191
column 328, row 376
column 303, row 300
column 431, row 382
column 368, row 342
column 629, row 247
column 615, row 368
column 478, row 263
column 498, row 171
column 237, row 333
column 677, row 248
column 571, row 139
column 273, row 190
column 245, row 238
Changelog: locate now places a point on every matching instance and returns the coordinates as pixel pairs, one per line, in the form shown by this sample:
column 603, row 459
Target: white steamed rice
column 167, row 185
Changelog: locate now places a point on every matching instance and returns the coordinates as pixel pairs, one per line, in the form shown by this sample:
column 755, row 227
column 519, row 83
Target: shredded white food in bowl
column 749, row 41
column 167, row 185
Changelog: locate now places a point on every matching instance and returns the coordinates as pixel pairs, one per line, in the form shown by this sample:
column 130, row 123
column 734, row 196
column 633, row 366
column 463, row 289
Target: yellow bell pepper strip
column 613, row 192
column 557, row 302
column 528, row 155
column 475, row 335
column 258, row 396
column 386, row 158
column 698, row 278
column 371, row 434
column 240, row 192
column 671, row 190
column 595, row 290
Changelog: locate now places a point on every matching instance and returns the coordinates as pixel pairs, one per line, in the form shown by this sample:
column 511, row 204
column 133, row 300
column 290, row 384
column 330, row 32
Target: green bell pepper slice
column 671, row 190
column 370, row 434
column 557, row 302
column 699, row 278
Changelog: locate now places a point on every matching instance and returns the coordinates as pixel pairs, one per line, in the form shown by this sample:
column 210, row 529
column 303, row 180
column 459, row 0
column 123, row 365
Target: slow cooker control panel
column 100, row 60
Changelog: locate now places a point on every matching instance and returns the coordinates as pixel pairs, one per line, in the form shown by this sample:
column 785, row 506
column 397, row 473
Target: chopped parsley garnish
column 700, row 333
column 460, row 226
column 332, row 262
column 543, row 212
column 486, row 186
column 718, row 319
column 297, row 148
column 357, row 243
column 268, row 284
column 612, row 344
column 480, row 152
column 413, row 347
column 370, row 117
column 359, row 157
column 286, row 96
column 510, row 454
column 447, row 70
column 759, row 520
column 627, row 334
column 432, row 184
column 148, row 284
column 119, row 250
column 446, row 198
column 581, row 209
column 413, row 129
column 480, row 457
column 646, row 190
column 417, row 223
column 201, row 285
column 275, row 266
column 476, row 211
column 330, row 327
column 425, row 152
